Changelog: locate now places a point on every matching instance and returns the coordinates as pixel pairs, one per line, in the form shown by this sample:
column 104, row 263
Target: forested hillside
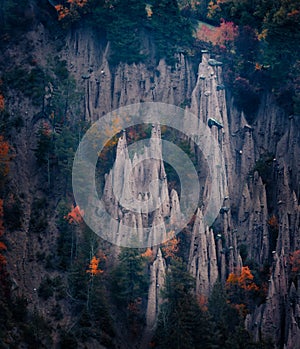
column 231, row 283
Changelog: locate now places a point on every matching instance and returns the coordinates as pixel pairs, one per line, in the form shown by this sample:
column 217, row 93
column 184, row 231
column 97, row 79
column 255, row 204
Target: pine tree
column 124, row 30
column 171, row 31
column 224, row 317
column 181, row 322
column 129, row 279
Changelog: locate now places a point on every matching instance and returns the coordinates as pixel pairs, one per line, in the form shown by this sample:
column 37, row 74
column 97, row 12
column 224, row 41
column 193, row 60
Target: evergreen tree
column 181, row 322
column 172, row 32
column 228, row 324
column 66, row 242
column 124, row 31
column 274, row 28
column 224, row 317
column 129, row 279
column 12, row 16
column 129, row 286
column 44, row 144
column 65, row 146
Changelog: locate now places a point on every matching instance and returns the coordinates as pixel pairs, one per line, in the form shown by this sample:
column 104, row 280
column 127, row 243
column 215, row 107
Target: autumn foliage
column 242, row 290
column 2, row 104
column 222, row 36
column 70, row 10
column 62, row 11
column 4, row 157
column 75, row 216
column 93, row 268
column 170, row 248
column 148, row 254
column 244, row 279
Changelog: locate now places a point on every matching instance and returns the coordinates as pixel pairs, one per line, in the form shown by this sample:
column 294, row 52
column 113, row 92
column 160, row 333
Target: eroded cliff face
column 142, row 180
column 247, row 204
column 107, row 88
column 249, row 199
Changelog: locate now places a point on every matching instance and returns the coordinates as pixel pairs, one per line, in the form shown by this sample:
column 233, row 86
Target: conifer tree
column 181, row 322
column 130, row 280
column 124, row 30
column 171, row 31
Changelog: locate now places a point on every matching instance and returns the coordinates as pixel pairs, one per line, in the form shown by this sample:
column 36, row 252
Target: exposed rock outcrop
column 203, row 259
column 136, row 194
column 108, row 88
column 253, row 217
column 157, row 281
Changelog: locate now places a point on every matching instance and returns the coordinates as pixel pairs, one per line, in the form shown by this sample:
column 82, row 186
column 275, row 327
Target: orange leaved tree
column 70, row 11
column 242, row 290
column 75, row 215
column 4, row 157
column 222, row 36
column 2, row 104
column 148, row 254
column 94, row 270
column 170, row 248
column 93, row 267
